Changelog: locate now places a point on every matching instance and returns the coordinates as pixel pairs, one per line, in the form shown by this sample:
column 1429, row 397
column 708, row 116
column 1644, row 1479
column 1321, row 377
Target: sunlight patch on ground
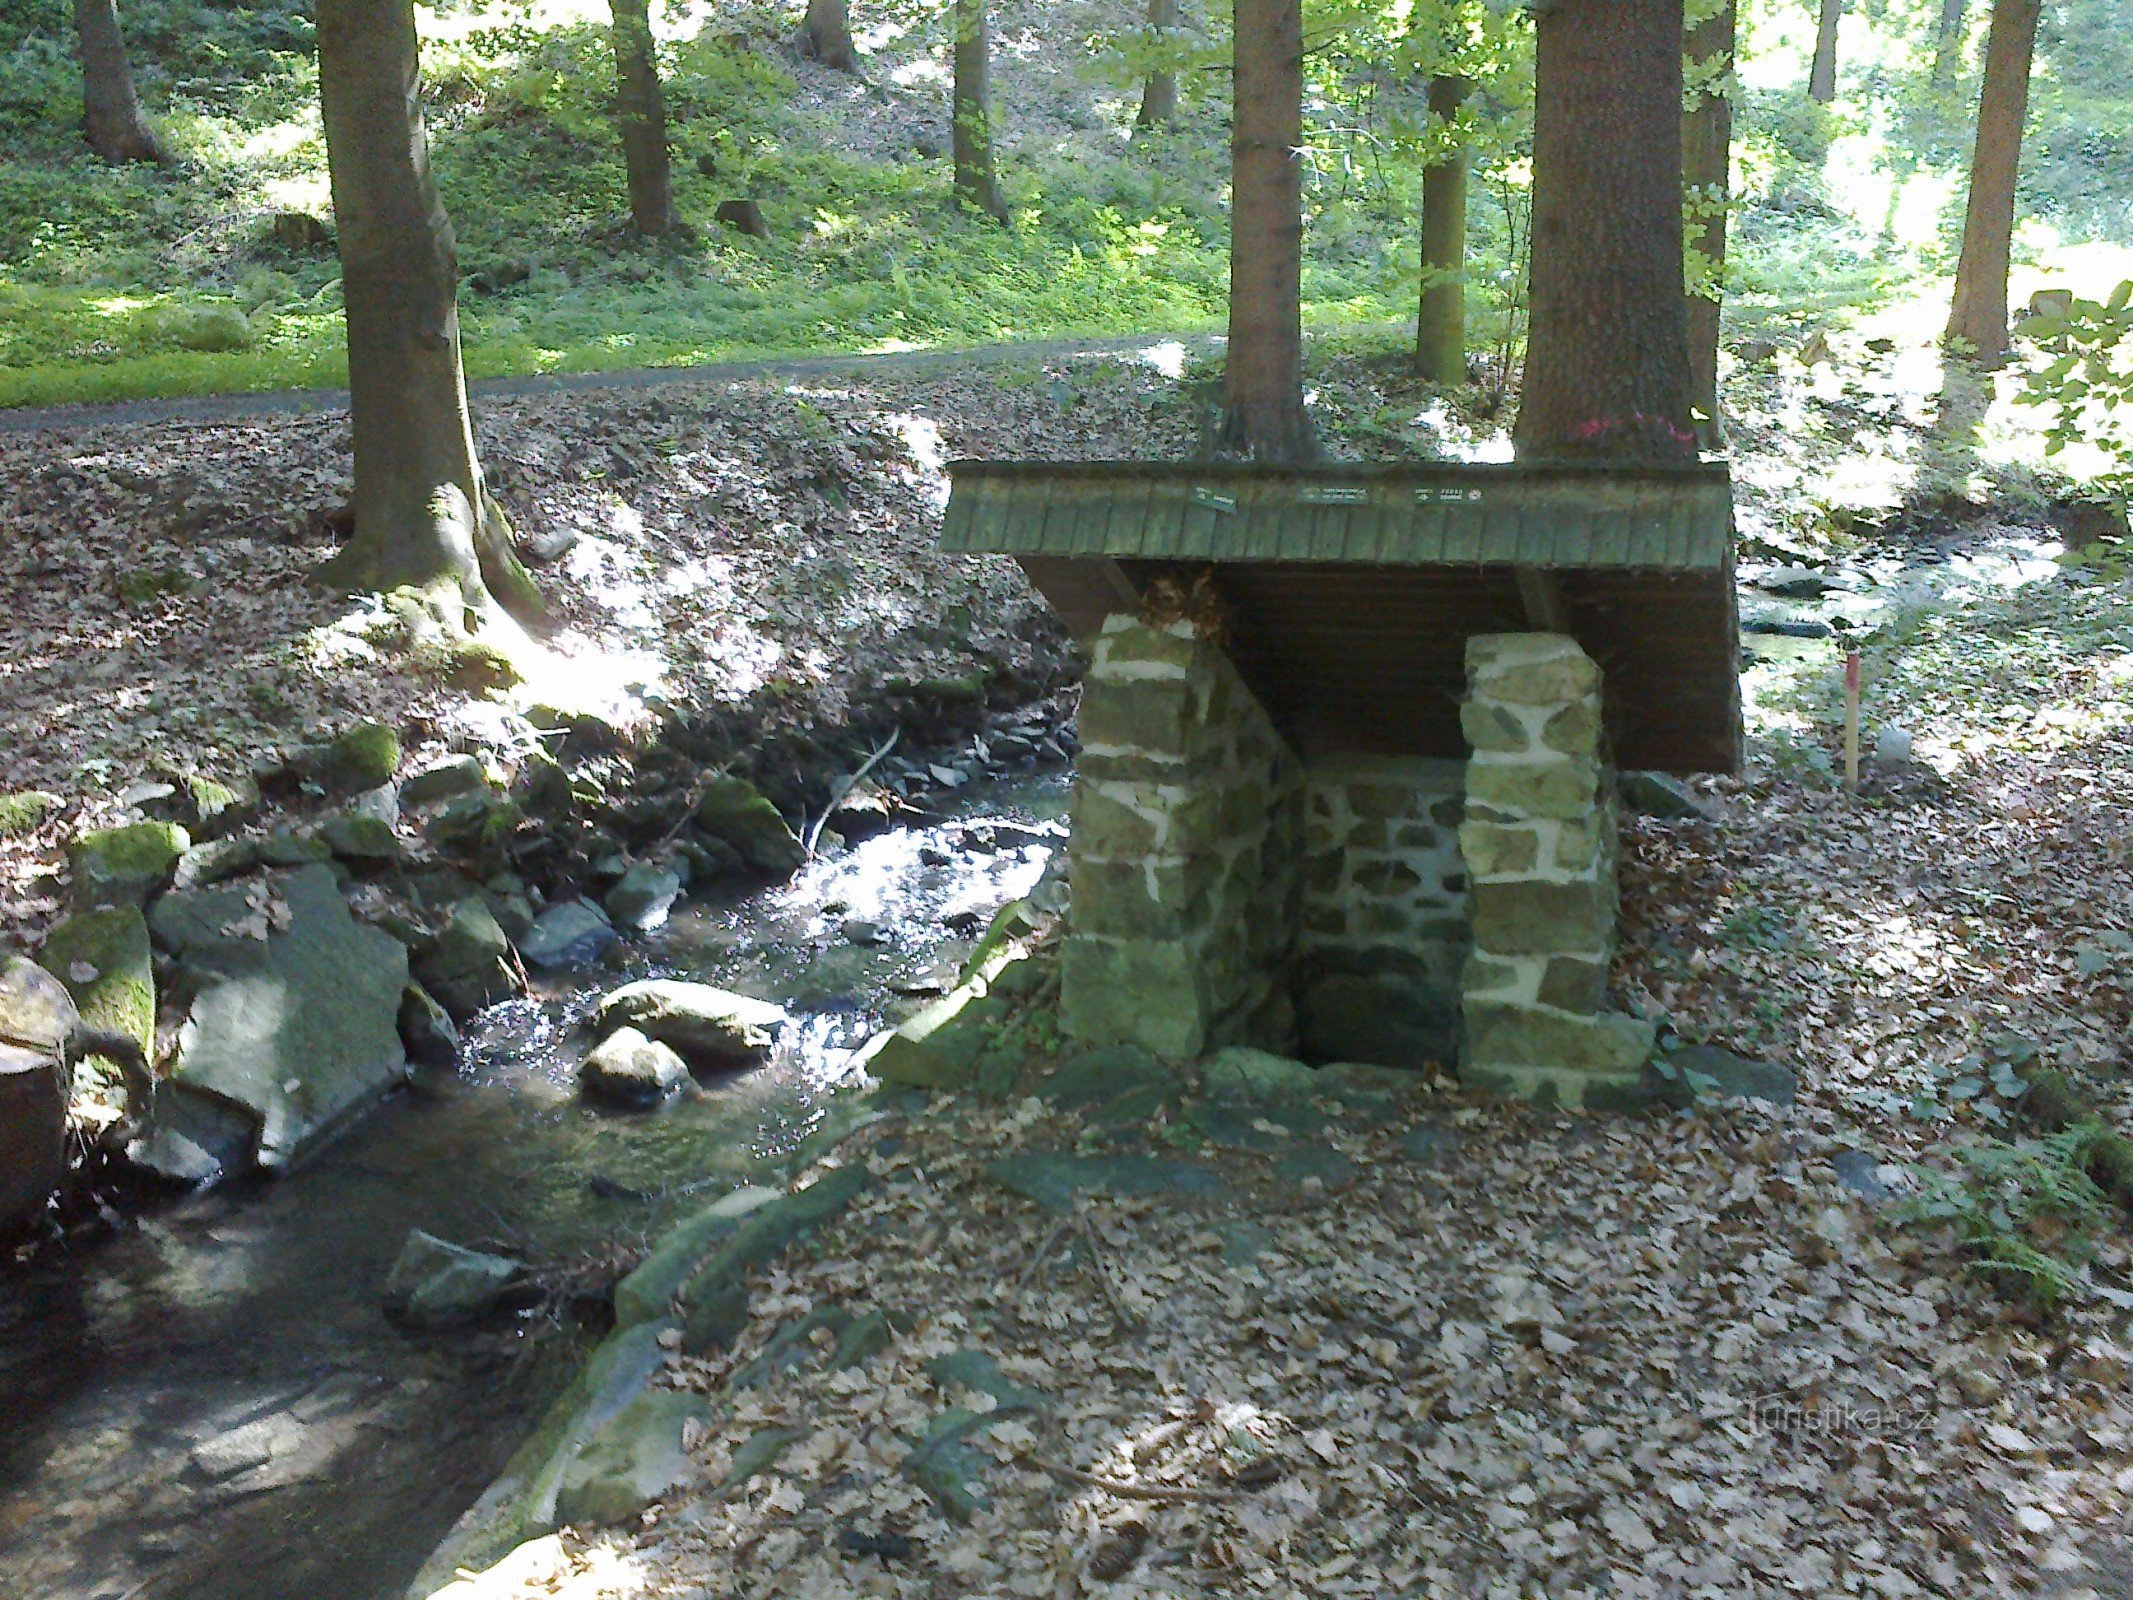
column 913, row 74
column 581, row 676
column 543, row 1566
column 1167, row 357
column 601, row 570
column 1455, row 441
column 922, row 437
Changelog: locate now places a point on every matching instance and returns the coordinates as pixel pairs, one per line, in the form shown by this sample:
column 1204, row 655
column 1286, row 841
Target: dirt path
column 225, row 407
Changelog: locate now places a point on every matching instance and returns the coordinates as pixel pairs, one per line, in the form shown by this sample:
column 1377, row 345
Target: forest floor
column 1530, row 1352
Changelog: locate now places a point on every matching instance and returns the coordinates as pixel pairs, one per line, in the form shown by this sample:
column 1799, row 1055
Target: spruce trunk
column 1159, row 96
column 828, row 34
column 423, row 517
column 1607, row 360
column 111, row 114
column 1263, row 410
column 977, row 180
column 1707, row 183
column 641, row 113
column 1440, row 324
column 1822, row 76
column 1977, row 321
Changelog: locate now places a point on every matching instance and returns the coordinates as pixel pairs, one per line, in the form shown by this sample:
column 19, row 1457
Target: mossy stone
column 105, row 960
column 124, row 866
column 365, row 757
column 732, row 810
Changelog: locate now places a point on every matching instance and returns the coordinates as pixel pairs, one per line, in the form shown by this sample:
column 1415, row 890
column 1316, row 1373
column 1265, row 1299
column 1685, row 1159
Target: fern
column 2025, row 1209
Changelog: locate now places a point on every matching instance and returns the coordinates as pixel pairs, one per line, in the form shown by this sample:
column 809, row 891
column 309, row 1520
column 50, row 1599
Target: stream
column 211, row 1406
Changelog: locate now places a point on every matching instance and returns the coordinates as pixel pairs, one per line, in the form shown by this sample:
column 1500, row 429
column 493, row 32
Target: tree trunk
column 641, row 112
column 1159, row 97
column 1607, row 360
column 1440, row 323
column 422, row 515
column 977, row 181
column 828, row 32
column 1977, row 322
column 1822, row 77
column 1948, row 40
column 111, row 115
column 1707, row 181
column 1263, row 409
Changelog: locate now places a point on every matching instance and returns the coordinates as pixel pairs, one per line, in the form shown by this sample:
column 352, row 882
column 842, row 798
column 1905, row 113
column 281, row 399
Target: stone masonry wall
column 1539, row 842
column 1384, row 911
column 1183, row 862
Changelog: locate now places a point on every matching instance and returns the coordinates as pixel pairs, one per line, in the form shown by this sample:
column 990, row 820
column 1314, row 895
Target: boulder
column 125, row 866
column 467, row 962
column 444, row 780
column 636, row 1457
column 300, row 1027
column 364, row 757
column 939, row 1048
column 1654, row 794
column 37, row 1026
column 732, row 811
column 630, row 1069
column 426, row 1030
column 437, row 1284
column 643, row 896
column 710, row 1027
column 363, row 841
column 104, row 959
column 567, row 935
column 1256, row 1077
column 214, row 862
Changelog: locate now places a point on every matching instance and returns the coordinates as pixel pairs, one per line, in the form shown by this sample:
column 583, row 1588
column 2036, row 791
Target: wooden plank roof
column 1350, row 591
column 1659, row 517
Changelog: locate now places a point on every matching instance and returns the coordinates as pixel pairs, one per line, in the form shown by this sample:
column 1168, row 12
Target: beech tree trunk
column 1948, row 40
column 1822, row 77
column 1263, row 410
column 1440, row 322
column 1977, row 322
column 828, row 34
column 977, row 179
column 1607, row 359
column 423, row 518
column 1159, row 96
column 1707, row 183
column 641, row 115
column 111, row 114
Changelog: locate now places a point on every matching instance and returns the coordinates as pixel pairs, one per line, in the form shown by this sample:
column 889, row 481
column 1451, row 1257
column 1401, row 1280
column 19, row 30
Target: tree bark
column 1607, row 362
column 977, row 179
column 423, row 517
column 1707, row 183
column 1822, row 76
column 1263, row 409
column 1159, row 96
column 111, row 114
column 641, row 115
column 1977, row 321
column 1440, row 322
column 1948, row 40
column 828, row 33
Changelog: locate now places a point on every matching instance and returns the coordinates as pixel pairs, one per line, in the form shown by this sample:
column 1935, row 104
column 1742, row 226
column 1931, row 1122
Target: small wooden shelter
column 1351, row 590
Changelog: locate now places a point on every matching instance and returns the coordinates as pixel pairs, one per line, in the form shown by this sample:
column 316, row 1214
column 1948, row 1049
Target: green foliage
column 2086, row 391
column 2025, row 1209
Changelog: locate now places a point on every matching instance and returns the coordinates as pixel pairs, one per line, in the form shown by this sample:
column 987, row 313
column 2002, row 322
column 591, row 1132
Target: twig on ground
column 1044, row 1248
column 1126, row 1319
column 813, row 834
column 1160, row 1493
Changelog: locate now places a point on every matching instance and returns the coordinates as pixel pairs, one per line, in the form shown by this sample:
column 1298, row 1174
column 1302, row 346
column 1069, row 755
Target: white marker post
column 1851, row 721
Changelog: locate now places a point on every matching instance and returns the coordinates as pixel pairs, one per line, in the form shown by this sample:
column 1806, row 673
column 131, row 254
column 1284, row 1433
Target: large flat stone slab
column 1053, row 1178
column 300, row 1028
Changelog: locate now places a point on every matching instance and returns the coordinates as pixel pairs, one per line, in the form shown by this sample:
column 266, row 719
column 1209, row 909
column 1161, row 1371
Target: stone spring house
column 1348, row 737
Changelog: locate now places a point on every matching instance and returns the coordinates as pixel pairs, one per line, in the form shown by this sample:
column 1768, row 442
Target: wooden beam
column 1082, row 589
column 1543, row 599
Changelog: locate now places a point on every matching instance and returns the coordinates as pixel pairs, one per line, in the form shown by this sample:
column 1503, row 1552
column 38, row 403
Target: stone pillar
column 1539, row 844
column 1183, row 862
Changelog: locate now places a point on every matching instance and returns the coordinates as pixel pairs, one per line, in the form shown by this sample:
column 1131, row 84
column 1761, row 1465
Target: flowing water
column 211, row 1406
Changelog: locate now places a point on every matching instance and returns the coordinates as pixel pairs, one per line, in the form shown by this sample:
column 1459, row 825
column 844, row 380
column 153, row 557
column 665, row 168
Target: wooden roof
column 1350, row 591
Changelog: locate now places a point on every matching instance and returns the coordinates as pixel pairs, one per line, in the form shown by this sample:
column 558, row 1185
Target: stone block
column 1574, row 730
column 1382, row 800
column 1499, row 1035
column 1386, row 877
column 1492, row 850
column 1531, row 918
column 1175, row 646
column 1114, row 898
column 1574, row 983
column 1562, row 788
column 1577, row 844
column 1136, row 714
column 1104, row 826
column 1491, row 727
column 1529, row 669
column 939, row 1048
column 1483, row 976
column 1149, row 992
